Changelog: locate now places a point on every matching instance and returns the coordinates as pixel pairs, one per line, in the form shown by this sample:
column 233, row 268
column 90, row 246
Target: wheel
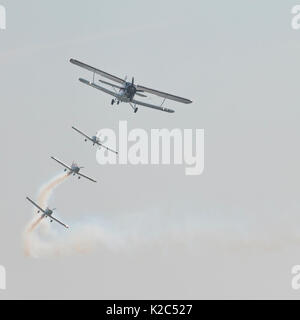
column 136, row 110
column 118, row 102
column 112, row 102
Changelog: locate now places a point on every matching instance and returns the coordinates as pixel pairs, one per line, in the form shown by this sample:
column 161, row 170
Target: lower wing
column 61, row 163
column 86, row 177
column 83, row 134
column 37, row 206
column 103, row 146
column 94, row 85
column 61, row 223
column 152, row 106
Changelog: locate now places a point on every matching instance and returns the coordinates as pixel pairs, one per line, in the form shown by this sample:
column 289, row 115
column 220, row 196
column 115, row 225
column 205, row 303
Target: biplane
column 124, row 91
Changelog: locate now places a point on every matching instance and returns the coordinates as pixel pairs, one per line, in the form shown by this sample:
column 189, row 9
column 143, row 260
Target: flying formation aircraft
column 127, row 90
column 94, row 140
column 47, row 213
column 73, row 169
column 123, row 91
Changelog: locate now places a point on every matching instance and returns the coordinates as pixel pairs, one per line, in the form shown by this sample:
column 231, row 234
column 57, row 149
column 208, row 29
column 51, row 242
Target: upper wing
column 82, row 133
column 164, row 94
column 91, row 84
column 103, row 146
column 64, row 165
column 100, row 72
column 86, row 177
column 35, row 204
column 52, row 218
column 152, row 106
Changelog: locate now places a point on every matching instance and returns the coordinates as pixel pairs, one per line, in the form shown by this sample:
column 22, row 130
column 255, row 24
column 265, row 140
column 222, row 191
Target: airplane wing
column 37, row 206
column 100, row 72
column 152, row 106
column 111, row 84
column 64, row 165
column 52, row 218
column 86, row 177
column 163, row 94
column 141, row 95
column 98, row 143
column 91, row 84
column 80, row 132
column 103, row 146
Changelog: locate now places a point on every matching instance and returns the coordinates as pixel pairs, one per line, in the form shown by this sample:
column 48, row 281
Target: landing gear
column 113, row 101
column 134, row 107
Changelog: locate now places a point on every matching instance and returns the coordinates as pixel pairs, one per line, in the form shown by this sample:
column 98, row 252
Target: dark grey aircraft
column 73, row 169
column 127, row 90
column 94, row 139
column 47, row 213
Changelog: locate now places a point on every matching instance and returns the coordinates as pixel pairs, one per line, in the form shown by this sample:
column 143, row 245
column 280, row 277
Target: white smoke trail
column 197, row 232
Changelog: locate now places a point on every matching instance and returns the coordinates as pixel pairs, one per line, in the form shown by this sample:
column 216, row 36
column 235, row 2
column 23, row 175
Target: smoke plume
column 199, row 233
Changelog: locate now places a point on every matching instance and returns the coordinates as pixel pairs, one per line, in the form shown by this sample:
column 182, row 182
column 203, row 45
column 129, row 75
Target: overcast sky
column 151, row 231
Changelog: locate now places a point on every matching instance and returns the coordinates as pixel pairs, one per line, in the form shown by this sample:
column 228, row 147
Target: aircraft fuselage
column 75, row 169
column 95, row 139
column 128, row 92
column 48, row 212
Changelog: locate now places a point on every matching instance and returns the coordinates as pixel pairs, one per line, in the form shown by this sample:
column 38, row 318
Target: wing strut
column 163, row 102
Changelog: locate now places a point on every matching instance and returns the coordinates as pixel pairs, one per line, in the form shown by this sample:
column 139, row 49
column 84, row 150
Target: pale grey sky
column 232, row 232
